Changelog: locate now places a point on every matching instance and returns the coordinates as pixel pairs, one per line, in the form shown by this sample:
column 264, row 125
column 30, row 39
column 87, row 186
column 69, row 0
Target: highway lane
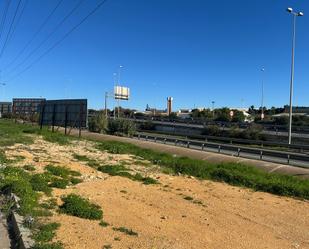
column 199, row 126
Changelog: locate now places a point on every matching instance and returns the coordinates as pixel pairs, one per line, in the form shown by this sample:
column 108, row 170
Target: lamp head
column 290, row 10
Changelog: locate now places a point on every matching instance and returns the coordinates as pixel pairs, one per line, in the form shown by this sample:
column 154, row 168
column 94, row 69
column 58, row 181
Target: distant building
column 184, row 113
column 5, row 107
column 297, row 109
column 27, row 106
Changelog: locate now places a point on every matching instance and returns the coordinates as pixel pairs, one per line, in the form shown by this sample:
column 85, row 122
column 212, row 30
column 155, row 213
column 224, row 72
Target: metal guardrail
column 299, row 147
column 261, row 153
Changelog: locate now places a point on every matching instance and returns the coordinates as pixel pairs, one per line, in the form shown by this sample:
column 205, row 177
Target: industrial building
column 27, row 106
column 5, row 107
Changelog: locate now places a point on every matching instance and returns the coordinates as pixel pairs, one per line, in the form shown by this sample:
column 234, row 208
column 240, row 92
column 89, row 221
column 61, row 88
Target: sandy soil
column 218, row 216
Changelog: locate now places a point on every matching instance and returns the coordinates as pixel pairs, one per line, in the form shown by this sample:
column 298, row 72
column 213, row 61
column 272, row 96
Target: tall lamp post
column 295, row 14
column 262, row 100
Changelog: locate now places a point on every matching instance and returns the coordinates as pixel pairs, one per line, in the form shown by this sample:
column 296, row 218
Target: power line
column 60, row 40
column 3, row 20
column 18, row 19
column 35, row 34
column 10, row 29
column 47, row 38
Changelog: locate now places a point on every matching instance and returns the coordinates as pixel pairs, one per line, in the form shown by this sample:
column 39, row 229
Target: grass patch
column 78, row 206
column 46, row 232
column 56, row 245
column 125, row 230
column 59, row 183
column 75, row 180
column 12, row 133
column 120, row 170
column 90, row 162
column 39, row 182
column 17, row 181
column 61, row 171
column 231, row 173
column 49, row 204
column 103, row 223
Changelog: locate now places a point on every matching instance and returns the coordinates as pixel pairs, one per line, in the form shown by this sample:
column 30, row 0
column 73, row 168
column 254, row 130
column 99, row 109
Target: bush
column 98, row 123
column 121, row 126
column 78, row 206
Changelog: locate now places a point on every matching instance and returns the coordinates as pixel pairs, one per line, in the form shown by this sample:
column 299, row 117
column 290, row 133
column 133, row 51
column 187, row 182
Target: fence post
column 65, row 119
column 53, row 119
column 219, row 148
column 155, row 139
column 261, row 155
column 146, row 138
column 138, row 136
column 42, row 116
column 203, row 146
column 238, row 152
column 188, row 144
column 164, row 140
column 176, row 142
column 288, row 158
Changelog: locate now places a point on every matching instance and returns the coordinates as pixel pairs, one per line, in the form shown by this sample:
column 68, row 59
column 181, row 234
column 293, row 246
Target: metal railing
column 283, row 157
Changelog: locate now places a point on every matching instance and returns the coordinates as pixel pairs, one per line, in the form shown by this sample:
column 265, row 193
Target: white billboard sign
column 121, row 92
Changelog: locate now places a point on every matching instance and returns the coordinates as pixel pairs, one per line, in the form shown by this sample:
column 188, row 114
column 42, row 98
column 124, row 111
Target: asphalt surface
column 4, row 235
column 202, row 155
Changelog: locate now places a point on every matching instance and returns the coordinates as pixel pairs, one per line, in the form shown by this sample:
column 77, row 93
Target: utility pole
column 106, row 96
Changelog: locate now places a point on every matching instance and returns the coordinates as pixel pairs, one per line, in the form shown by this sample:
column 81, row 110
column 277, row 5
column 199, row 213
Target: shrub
column 75, row 181
column 61, row 171
column 125, row 230
column 103, row 223
column 78, row 206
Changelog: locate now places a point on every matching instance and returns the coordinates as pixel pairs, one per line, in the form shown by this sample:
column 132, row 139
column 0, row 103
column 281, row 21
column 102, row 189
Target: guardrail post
column 164, row 140
column 231, row 142
column 146, row 138
column 288, row 158
column 188, row 144
column 155, row 139
column 219, row 148
column 176, row 142
column 203, row 146
column 261, row 155
column 238, row 152
column 139, row 137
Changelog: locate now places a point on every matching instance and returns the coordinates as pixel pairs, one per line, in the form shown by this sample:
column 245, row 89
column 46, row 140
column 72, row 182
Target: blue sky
column 194, row 50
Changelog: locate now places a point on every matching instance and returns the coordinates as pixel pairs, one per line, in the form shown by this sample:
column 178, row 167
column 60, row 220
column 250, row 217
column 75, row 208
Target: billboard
column 65, row 112
column 121, row 92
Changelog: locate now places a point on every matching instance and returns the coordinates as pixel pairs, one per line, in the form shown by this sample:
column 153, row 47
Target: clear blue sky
column 194, row 50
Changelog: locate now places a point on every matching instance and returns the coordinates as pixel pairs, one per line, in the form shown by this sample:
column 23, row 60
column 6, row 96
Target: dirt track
column 218, row 216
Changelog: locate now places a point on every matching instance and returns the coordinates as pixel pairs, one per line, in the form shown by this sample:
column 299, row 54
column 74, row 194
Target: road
column 202, row 155
column 199, row 126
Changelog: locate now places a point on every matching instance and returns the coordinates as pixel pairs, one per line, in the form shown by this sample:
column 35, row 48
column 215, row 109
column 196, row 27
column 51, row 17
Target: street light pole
column 262, row 100
column 295, row 14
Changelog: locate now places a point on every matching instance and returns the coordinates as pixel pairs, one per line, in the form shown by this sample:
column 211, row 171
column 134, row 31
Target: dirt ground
column 179, row 213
